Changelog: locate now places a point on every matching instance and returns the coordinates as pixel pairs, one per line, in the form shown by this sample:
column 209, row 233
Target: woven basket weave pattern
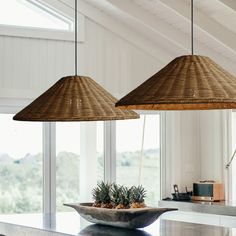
column 186, row 83
column 74, row 98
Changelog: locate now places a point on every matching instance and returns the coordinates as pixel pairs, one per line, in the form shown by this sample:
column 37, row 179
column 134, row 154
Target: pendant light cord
column 192, row 27
column 76, row 64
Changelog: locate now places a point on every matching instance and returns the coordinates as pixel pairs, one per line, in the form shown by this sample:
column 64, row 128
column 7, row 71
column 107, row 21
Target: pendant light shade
column 187, row 83
column 74, row 98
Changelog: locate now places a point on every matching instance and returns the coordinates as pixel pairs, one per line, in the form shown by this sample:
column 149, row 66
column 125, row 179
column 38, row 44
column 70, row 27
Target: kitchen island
column 211, row 213
column 72, row 224
column 227, row 208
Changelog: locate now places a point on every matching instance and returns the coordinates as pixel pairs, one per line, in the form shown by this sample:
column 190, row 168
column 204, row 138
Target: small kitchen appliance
column 208, row 190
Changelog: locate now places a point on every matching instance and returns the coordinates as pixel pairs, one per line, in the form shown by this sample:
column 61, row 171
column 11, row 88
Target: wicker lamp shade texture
column 189, row 82
column 74, row 98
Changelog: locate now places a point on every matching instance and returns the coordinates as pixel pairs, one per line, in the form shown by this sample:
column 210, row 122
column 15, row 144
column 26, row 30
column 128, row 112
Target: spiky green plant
column 102, row 194
column 125, row 196
column 115, row 194
column 137, row 196
column 120, row 196
column 109, row 195
column 96, row 197
column 105, row 192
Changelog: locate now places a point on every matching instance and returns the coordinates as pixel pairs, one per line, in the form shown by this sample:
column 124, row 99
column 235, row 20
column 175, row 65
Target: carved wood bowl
column 125, row 218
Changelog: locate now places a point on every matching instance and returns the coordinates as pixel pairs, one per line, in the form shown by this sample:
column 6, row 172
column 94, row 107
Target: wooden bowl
column 125, row 218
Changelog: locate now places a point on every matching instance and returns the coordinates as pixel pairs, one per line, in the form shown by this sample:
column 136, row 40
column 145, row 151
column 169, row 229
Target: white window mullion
column 163, row 183
column 110, row 151
column 49, row 167
column 88, row 160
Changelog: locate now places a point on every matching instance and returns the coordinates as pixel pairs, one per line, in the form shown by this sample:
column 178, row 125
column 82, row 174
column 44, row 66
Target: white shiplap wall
column 34, row 64
column 29, row 66
column 113, row 62
column 197, row 148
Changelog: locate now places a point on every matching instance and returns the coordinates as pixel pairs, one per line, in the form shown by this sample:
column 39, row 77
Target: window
column 21, row 184
column 79, row 161
column 100, row 151
column 79, row 153
column 18, row 13
column 67, row 163
column 138, row 154
column 233, row 148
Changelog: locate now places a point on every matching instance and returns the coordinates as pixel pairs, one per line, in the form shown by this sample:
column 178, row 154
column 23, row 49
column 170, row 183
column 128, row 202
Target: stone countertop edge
column 218, row 208
column 159, row 228
column 10, row 229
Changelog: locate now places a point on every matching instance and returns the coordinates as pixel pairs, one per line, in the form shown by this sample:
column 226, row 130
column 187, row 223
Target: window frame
column 49, row 151
column 230, row 149
column 162, row 115
column 12, row 109
column 43, row 33
column 227, row 147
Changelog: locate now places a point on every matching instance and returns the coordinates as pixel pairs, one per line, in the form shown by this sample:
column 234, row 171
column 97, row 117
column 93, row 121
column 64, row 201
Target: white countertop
column 227, row 208
column 72, row 224
column 66, row 223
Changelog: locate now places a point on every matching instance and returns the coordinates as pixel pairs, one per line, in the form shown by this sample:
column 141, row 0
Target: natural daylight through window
column 21, row 185
column 31, row 13
column 138, row 155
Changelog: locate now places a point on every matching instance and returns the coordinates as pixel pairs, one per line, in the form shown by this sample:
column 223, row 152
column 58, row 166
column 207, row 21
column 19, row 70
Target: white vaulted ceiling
column 165, row 25
column 222, row 12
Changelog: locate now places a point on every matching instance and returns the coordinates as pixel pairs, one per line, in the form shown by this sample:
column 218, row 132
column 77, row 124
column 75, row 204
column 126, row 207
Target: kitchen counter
column 226, row 208
column 64, row 224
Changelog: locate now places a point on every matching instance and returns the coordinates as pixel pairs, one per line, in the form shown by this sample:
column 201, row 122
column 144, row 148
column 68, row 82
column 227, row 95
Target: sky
column 129, row 134
column 18, row 12
column 19, row 138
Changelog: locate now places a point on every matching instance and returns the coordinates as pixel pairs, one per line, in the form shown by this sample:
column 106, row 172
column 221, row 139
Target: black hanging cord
column 76, row 13
column 192, row 27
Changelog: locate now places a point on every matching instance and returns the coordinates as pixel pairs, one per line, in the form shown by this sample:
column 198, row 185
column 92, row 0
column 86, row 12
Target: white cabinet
column 201, row 218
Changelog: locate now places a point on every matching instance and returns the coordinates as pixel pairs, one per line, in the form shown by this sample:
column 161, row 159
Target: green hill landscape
column 21, row 182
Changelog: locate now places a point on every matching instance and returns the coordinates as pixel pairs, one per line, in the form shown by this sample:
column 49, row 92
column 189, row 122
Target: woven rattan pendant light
column 74, row 98
column 188, row 82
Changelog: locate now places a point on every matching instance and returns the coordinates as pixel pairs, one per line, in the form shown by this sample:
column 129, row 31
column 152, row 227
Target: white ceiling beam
column 218, row 31
column 152, row 47
column 230, row 3
column 168, row 36
column 67, row 6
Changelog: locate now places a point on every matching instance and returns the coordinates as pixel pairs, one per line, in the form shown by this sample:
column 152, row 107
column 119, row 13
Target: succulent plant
column 137, row 197
column 115, row 194
column 120, row 196
column 101, row 195
column 108, row 195
column 96, row 197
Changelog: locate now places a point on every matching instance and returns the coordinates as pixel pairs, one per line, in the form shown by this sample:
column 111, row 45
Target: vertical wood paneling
column 2, row 61
column 9, row 59
column 190, row 160
column 33, row 64
column 212, row 145
column 114, row 63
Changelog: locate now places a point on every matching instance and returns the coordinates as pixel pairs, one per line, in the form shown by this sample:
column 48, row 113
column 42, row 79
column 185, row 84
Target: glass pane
column 74, row 141
column 134, row 166
column 233, row 148
column 67, row 173
column 18, row 13
column 100, row 150
column 21, row 184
